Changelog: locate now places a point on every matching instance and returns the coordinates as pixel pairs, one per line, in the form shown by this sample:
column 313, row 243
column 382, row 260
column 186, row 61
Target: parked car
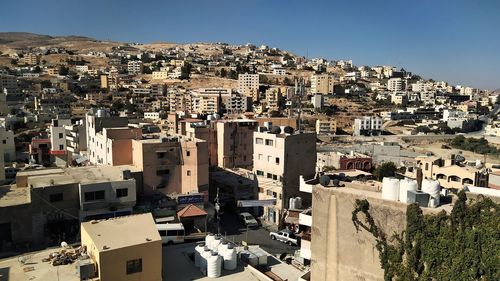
column 248, row 220
column 285, row 236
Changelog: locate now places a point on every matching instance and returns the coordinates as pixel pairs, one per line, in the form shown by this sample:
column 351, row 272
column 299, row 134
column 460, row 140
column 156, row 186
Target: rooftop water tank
column 197, row 254
column 432, row 188
column 204, row 259
column 208, row 240
column 230, row 261
column 405, row 186
column 216, row 242
column 390, row 189
column 214, row 265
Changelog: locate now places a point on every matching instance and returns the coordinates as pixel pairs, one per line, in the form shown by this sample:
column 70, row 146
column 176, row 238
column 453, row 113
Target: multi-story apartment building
column 30, row 59
column 76, row 138
column 248, row 85
column 57, row 131
column 235, row 143
column 95, row 122
column 159, row 75
column 322, row 84
column 279, row 159
column 172, row 165
column 274, row 98
column 396, row 84
column 74, row 194
column 367, row 125
column 8, row 145
column 326, row 126
column 135, row 67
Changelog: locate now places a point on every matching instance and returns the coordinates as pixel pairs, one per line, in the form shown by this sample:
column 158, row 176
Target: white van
column 171, row 233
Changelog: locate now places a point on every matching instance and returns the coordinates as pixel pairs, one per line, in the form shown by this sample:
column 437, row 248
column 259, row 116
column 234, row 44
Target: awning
column 81, row 159
column 256, row 203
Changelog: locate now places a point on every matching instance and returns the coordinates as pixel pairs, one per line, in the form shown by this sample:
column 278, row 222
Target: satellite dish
column 324, row 180
column 459, row 158
column 336, row 182
column 288, row 130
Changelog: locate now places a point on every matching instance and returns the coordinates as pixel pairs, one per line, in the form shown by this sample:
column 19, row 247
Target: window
column 134, row 266
column 60, row 135
column 94, row 195
column 275, row 177
column 426, row 166
column 163, row 232
column 171, row 232
column 277, row 160
column 270, row 142
column 188, row 153
column 269, row 175
column 61, row 147
column 162, row 172
column 56, row 197
column 121, row 192
column 269, row 158
column 189, row 173
column 260, row 157
column 259, row 141
column 160, row 155
column 4, row 141
column 260, row 173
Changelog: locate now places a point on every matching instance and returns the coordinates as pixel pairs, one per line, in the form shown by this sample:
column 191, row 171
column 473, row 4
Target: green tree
column 63, row 70
column 387, row 169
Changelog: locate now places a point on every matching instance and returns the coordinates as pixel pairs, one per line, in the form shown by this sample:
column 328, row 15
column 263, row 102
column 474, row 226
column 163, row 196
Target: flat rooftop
column 35, row 269
column 122, row 232
column 10, row 195
column 85, row 175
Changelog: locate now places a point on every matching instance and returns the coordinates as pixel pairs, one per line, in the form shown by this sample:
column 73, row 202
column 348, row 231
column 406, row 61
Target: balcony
column 305, row 218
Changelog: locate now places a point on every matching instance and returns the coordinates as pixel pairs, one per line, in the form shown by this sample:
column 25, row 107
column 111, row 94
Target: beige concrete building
column 30, row 59
column 172, row 165
column 326, row 126
column 274, row 98
column 248, row 85
column 448, row 172
column 279, row 159
column 235, row 143
column 322, row 84
column 125, row 248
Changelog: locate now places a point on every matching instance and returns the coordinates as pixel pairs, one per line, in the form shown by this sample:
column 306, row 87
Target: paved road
column 237, row 232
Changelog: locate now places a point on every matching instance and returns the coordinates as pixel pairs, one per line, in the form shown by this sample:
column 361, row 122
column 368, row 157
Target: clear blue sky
column 453, row 40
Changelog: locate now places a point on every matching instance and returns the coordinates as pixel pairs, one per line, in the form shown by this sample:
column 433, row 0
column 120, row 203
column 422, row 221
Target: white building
column 367, row 125
column 135, row 67
column 279, row 71
column 57, row 131
column 152, row 115
column 396, row 84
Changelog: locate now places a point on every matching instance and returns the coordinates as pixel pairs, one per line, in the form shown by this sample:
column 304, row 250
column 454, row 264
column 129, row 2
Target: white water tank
column 215, row 243
column 433, row 188
column 230, row 258
column 197, row 254
column 222, row 247
column 405, row 186
column 205, row 255
column 208, row 240
column 390, row 189
column 214, row 265
column 291, row 204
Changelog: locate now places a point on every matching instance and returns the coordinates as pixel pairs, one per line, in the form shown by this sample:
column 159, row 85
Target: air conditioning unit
column 85, row 269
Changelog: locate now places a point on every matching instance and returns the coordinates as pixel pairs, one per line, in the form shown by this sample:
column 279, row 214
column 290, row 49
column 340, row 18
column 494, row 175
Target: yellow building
column 124, row 248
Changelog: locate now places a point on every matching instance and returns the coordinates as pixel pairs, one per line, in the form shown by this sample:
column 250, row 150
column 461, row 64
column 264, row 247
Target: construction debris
column 67, row 255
